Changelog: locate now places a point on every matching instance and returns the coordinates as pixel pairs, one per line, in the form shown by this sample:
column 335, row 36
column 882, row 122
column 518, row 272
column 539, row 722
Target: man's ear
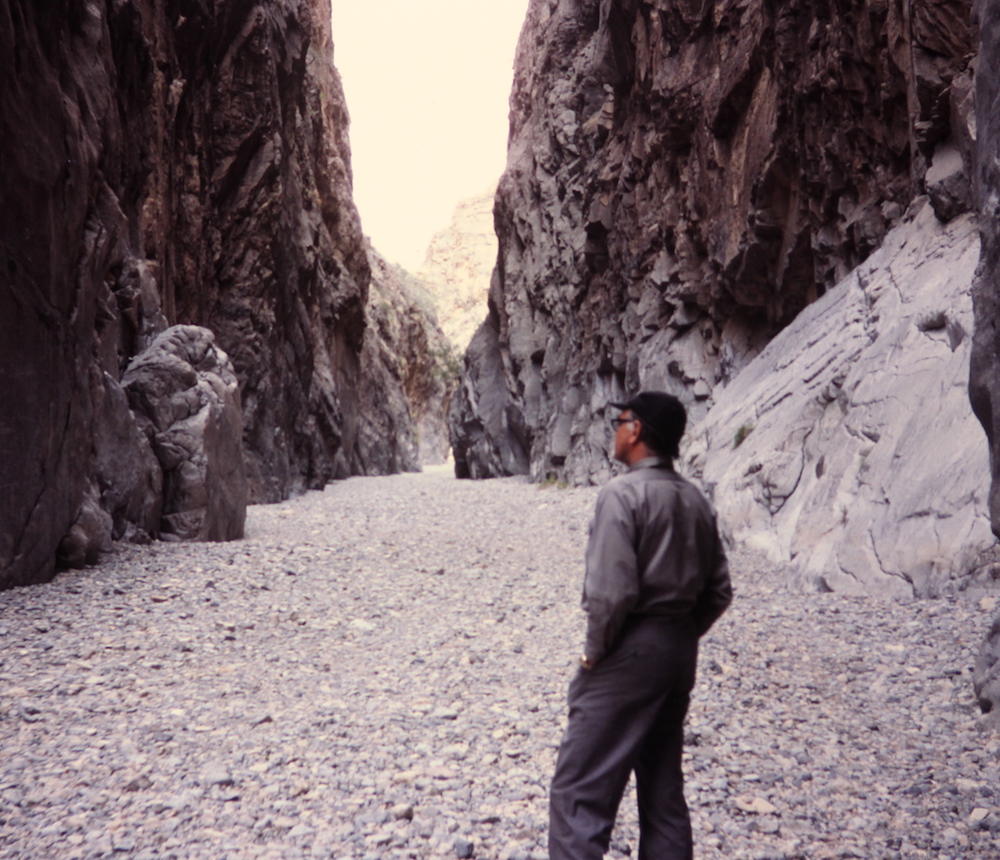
column 636, row 430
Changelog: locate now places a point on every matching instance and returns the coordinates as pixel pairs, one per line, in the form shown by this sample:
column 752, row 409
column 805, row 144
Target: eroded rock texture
column 412, row 372
column 165, row 162
column 683, row 178
column 186, row 400
column 847, row 449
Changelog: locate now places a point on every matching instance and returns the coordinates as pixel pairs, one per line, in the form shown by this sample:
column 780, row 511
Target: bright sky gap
column 427, row 86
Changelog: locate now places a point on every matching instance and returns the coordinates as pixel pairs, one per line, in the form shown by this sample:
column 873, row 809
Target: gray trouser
column 627, row 714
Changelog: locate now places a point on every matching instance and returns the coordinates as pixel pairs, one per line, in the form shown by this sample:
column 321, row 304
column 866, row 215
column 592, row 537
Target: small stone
column 405, row 777
column 463, row 849
column 402, row 812
column 139, row 783
column 29, row 712
column 217, row 775
column 977, row 815
column 755, row 805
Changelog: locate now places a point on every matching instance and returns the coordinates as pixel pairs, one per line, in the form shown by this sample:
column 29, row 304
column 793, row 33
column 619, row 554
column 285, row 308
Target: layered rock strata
column 682, row 180
column 165, row 163
column 848, row 446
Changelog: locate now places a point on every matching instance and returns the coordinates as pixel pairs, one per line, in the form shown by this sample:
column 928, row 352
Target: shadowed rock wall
column 682, row 179
column 984, row 378
column 162, row 162
column 404, row 422
column 984, row 373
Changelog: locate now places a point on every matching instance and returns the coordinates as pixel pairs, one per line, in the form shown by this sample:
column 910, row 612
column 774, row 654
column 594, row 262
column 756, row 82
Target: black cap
column 663, row 416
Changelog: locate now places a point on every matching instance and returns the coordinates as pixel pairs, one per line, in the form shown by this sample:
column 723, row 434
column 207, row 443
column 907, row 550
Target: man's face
column 625, row 435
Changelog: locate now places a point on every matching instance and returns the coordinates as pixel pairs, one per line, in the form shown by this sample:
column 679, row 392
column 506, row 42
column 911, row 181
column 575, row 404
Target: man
column 656, row 579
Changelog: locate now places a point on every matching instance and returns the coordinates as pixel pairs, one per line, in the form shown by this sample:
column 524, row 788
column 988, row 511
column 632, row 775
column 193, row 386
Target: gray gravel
column 379, row 670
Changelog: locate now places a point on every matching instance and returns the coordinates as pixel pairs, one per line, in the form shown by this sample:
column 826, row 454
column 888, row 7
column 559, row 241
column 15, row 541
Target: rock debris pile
column 379, row 671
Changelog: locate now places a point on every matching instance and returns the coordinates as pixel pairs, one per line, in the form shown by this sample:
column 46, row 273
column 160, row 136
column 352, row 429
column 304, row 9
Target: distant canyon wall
column 682, row 180
column 162, row 163
column 458, row 267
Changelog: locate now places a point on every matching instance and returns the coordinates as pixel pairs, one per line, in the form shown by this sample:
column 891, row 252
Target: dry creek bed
column 379, row 671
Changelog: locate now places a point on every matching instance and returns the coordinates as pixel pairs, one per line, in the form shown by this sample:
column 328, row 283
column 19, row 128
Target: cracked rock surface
column 849, row 446
column 379, row 670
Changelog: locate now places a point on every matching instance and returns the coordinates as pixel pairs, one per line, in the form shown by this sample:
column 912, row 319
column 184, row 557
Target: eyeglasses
column 617, row 422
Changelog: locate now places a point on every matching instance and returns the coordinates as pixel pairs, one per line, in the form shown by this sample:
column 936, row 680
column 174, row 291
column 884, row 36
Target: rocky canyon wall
column 683, row 179
column 984, row 381
column 173, row 162
column 404, row 421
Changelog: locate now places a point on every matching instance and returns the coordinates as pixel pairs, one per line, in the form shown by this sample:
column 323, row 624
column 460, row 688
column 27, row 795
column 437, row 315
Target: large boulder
column 185, row 395
column 986, row 673
column 848, row 446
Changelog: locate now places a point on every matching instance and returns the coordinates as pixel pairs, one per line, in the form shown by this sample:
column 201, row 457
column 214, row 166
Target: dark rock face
column 483, row 441
column 984, row 374
column 682, row 180
column 411, row 372
column 984, row 371
column 268, row 250
column 163, row 163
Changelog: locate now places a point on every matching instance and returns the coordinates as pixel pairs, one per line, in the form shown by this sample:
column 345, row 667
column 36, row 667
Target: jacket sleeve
column 611, row 582
column 717, row 594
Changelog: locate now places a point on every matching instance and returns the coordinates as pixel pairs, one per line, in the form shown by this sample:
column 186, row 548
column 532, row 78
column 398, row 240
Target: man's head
column 650, row 423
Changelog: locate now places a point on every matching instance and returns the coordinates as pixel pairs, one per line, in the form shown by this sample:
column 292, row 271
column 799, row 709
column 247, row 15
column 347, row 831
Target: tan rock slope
column 459, row 265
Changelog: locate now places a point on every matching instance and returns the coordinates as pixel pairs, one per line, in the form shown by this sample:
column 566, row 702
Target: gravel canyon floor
column 379, row 671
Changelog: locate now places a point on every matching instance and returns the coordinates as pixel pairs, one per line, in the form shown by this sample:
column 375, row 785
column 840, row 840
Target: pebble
column 379, row 670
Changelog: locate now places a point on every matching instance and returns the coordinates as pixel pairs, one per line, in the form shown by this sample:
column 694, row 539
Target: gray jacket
column 654, row 549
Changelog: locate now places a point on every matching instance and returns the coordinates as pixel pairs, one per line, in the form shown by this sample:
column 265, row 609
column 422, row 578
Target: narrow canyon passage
column 379, row 670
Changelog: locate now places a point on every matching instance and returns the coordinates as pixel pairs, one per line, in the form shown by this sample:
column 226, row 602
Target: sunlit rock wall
column 847, row 449
column 458, row 267
column 682, row 180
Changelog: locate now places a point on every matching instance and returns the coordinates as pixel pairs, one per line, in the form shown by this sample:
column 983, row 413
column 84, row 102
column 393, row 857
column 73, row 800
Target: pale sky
column 427, row 85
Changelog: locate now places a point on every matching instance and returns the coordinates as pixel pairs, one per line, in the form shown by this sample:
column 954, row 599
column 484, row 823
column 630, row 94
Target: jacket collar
column 652, row 463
